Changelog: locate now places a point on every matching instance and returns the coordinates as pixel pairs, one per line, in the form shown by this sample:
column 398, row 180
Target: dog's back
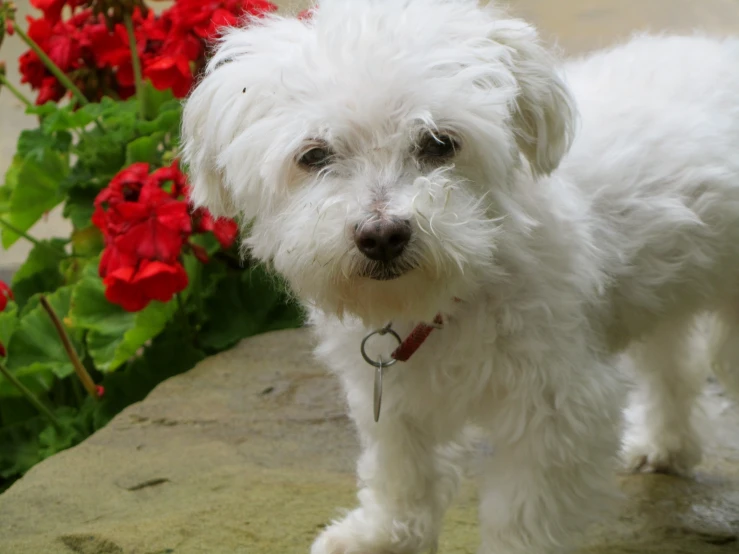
column 657, row 153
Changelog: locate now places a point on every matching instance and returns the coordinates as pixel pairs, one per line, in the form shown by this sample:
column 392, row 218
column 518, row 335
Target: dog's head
column 375, row 146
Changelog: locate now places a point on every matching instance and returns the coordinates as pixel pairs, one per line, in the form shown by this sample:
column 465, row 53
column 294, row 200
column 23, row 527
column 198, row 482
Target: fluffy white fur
column 591, row 207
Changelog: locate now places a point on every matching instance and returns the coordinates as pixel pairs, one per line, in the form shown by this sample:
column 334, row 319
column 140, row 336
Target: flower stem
column 79, row 368
column 30, row 397
column 15, row 92
column 33, row 240
column 136, row 63
column 19, row 232
column 51, row 66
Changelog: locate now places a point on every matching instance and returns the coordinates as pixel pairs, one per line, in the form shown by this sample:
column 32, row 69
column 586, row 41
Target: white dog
column 419, row 161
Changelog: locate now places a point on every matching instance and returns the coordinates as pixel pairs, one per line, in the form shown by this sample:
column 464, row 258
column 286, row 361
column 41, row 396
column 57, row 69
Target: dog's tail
column 723, row 347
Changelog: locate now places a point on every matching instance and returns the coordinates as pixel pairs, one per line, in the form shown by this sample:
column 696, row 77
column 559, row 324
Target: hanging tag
column 379, row 370
column 379, row 365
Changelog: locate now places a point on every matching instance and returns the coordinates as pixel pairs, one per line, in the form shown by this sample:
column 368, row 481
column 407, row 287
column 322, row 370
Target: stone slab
column 251, row 452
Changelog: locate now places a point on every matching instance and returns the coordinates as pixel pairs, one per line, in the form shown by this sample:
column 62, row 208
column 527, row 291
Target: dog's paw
column 337, row 540
column 360, row 534
column 332, row 542
column 674, row 455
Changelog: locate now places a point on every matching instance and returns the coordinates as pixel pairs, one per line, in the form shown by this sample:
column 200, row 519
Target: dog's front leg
column 406, row 486
column 553, row 468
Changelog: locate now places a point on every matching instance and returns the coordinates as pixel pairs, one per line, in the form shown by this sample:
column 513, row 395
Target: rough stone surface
column 251, row 452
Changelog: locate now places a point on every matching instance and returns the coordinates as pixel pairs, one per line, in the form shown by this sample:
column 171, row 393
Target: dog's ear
column 202, row 139
column 544, row 112
column 226, row 141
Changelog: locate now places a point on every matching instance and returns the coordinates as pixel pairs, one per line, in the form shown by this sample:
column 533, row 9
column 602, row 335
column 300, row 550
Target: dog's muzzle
column 383, row 240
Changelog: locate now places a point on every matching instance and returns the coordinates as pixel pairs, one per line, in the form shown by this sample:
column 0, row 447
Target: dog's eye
column 438, row 147
column 316, row 158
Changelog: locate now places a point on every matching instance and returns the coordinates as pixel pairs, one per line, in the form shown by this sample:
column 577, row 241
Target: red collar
column 413, row 342
column 418, row 336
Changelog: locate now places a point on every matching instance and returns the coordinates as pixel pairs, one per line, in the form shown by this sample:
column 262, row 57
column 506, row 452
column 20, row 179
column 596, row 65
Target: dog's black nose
column 383, row 241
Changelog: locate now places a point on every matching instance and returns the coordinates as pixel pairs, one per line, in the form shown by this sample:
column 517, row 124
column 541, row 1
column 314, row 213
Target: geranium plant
column 144, row 287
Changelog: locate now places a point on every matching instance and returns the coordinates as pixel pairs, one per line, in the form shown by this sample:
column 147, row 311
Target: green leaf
column 20, row 451
column 8, row 323
column 37, row 191
column 44, row 110
column 154, row 99
column 246, row 303
column 5, row 191
column 101, row 150
column 167, row 119
column 145, row 149
column 11, row 180
column 115, row 335
column 36, row 141
column 79, row 206
column 36, row 353
column 56, row 117
column 73, row 430
column 66, row 119
column 88, row 242
column 36, row 377
column 204, row 280
column 40, row 272
column 29, row 442
column 101, row 154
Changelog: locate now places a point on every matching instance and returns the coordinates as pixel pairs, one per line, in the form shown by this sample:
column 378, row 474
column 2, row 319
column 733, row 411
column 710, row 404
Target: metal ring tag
column 378, row 390
column 379, row 366
column 383, row 331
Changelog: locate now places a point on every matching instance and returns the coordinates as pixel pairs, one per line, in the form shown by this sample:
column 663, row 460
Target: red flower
column 146, row 225
column 60, row 40
column 124, row 187
column 155, row 227
column 225, row 230
column 5, row 295
column 173, row 175
column 204, row 17
column 3, row 352
column 50, row 91
column 65, row 42
column 111, row 49
column 134, row 288
column 170, row 72
column 53, row 8
column 114, row 258
column 32, row 69
column 63, row 50
column 171, row 45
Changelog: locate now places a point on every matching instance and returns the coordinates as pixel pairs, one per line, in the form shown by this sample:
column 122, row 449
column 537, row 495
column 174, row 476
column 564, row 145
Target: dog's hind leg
column 724, row 347
column 661, row 436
